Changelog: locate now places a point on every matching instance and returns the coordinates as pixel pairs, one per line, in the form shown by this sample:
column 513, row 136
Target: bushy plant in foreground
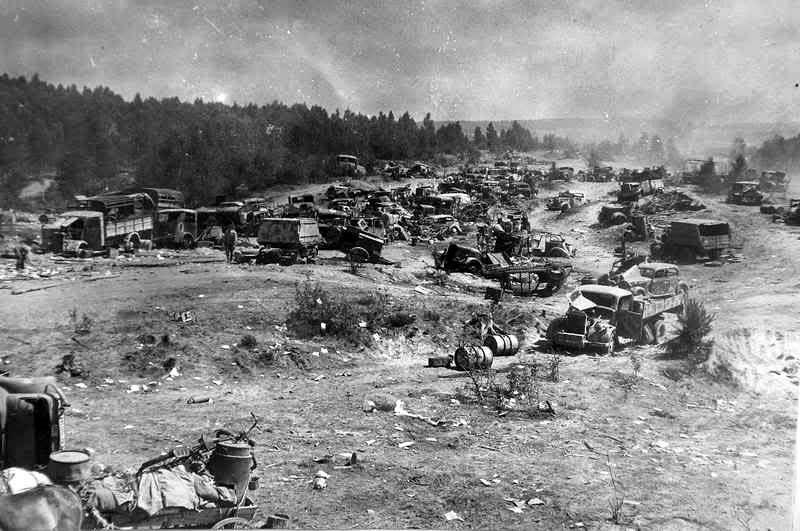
column 694, row 324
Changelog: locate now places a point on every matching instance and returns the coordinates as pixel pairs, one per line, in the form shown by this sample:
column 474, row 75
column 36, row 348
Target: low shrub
column 694, row 324
column 320, row 312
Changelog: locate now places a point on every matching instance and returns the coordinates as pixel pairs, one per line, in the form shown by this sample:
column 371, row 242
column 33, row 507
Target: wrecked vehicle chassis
column 598, row 316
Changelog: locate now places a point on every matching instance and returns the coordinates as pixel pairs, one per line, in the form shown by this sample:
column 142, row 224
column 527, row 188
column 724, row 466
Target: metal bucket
column 230, row 464
column 502, row 344
column 68, row 466
column 471, row 357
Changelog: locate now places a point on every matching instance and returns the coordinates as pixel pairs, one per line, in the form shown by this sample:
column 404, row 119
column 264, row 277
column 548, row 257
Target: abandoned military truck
column 689, row 240
column 100, row 222
column 598, row 316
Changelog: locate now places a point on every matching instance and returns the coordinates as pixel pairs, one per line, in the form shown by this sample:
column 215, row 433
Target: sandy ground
column 686, row 453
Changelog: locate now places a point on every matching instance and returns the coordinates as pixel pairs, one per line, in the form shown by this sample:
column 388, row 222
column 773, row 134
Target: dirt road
column 689, row 453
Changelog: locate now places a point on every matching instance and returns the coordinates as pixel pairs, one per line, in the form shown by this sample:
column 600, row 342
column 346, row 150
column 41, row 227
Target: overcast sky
column 732, row 61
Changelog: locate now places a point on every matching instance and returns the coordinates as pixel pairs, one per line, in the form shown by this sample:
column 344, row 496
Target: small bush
column 617, row 501
column 553, row 364
column 248, row 341
column 481, row 385
column 520, row 391
column 636, row 364
column 694, row 324
column 320, row 312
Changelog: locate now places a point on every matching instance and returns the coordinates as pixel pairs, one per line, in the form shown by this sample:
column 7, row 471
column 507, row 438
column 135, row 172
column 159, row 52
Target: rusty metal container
column 230, row 464
column 502, row 344
column 69, row 466
column 472, row 357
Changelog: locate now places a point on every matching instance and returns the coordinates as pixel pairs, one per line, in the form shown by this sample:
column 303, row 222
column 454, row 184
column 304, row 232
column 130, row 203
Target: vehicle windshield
column 647, row 272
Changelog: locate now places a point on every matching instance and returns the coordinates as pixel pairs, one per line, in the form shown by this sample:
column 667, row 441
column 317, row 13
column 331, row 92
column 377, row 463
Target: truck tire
column 618, row 218
column 648, row 336
column 187, row 242
column 474, row 267
column 133, row 241
column 358, row 254
column 660, row 330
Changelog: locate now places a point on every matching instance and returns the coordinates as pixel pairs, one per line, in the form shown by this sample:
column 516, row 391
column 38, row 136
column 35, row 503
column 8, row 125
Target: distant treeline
column 88, row 138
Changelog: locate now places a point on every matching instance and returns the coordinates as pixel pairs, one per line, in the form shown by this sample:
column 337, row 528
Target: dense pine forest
column 87, row 138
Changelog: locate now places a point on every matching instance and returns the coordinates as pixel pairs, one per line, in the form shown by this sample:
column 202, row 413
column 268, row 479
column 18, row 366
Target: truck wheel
column 660, row 329
column 474, row 268
column 133, row 241
column 648, row 336
column 188, row 241
column 358, row 254
column 618, row 218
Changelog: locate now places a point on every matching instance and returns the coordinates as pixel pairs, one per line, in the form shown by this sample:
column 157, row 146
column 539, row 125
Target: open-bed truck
column 598, row 316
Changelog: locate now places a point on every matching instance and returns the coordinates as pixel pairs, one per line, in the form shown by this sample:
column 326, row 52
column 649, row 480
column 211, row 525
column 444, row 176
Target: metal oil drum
column 472, row 357
column 502, row 344
column 230, row 464
column 68, row 466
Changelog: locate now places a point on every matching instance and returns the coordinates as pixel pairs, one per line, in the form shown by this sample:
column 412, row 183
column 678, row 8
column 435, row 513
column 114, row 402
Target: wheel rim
column 234, row 522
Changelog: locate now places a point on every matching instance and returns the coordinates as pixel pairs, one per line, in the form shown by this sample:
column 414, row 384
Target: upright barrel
column 473, row 357
column 69, row 466
column 502, row 344
column 230, row 464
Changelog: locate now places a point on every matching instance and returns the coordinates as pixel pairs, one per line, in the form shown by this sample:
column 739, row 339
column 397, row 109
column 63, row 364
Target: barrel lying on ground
column 502, row 344
column 473, row 357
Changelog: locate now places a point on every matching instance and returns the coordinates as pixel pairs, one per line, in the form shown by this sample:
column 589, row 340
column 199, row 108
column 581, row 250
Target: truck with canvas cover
column 294, row 237
column 161, row 197
column 598, row 316
column 688, row 240
column 101, row 222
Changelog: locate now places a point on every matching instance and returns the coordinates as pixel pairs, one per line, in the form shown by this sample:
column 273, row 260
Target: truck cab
column 75, row 231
